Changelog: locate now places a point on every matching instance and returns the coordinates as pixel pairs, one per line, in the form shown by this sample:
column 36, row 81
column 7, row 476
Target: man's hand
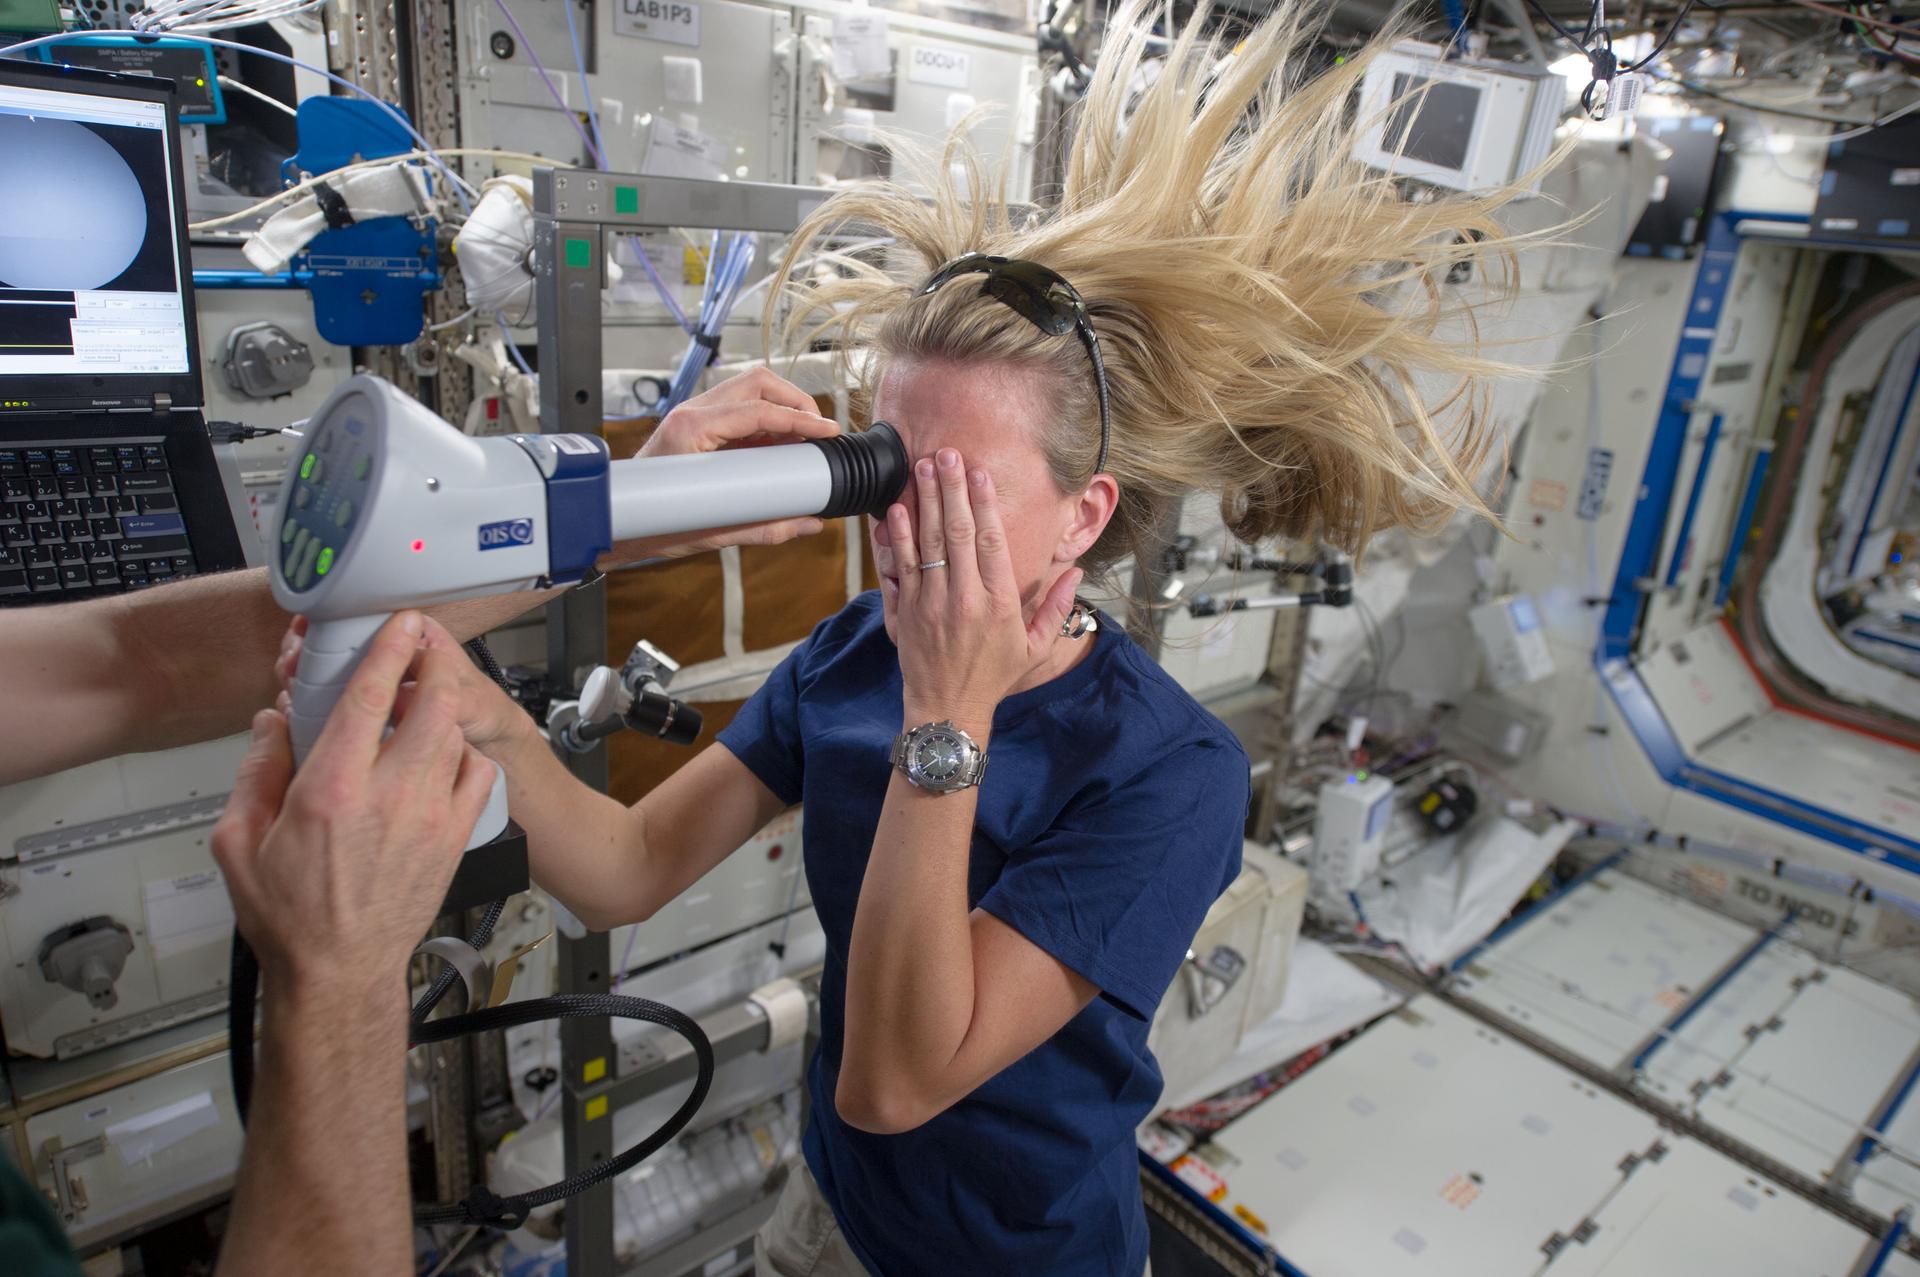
column 491, row 721
column 337, row 873
column 752, row 410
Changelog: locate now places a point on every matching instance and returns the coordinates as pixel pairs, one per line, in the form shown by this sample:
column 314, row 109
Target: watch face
column 937, row 757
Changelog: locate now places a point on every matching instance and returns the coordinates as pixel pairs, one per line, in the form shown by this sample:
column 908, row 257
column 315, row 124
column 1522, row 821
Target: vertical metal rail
column 1743, row 521
column 569, row 272
column 402, row 51
column 574, row 209
column 1684, row 537
column 431, row 50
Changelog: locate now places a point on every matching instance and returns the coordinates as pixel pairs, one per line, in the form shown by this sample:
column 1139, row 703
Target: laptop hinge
column 163, row 403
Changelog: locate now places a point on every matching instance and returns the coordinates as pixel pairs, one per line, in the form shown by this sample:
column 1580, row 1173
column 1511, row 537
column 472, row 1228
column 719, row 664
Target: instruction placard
column 674, row 21
column 186, row 912
column 674, row 151
column 860, row 46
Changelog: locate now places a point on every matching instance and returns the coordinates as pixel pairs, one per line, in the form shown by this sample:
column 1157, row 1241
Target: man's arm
column 180, row 663
column 335, row 876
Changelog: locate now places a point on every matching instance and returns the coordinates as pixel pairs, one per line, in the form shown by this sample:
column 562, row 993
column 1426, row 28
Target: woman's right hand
column 752, row 410
column 493, row 722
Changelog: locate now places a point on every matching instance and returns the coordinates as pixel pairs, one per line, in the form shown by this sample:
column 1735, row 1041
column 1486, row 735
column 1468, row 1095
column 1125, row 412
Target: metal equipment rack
column 575, row 211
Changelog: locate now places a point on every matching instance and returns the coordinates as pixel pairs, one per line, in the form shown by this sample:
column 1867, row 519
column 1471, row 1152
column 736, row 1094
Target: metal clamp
column 476, row 973
column 1209, row 979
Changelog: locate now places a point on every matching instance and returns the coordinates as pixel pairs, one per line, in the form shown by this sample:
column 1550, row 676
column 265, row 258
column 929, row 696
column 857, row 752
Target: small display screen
column 1432, row 120
column 90, row 277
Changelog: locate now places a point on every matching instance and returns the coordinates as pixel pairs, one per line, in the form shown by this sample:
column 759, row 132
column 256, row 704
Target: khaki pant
column 803, row 1239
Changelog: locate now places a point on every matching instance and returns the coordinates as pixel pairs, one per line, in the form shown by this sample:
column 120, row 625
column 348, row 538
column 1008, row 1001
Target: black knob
column 662, row 716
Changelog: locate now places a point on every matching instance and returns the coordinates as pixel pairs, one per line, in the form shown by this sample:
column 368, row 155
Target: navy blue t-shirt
column 1109, row 820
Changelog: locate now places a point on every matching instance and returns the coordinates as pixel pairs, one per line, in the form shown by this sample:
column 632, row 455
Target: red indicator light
column 418, row 545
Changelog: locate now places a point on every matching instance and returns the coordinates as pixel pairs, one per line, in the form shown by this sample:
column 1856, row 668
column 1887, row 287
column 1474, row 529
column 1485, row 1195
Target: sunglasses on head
column 1043, row 299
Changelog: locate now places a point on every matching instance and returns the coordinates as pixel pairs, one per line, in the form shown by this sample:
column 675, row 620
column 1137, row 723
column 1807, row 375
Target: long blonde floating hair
column 1269, row 307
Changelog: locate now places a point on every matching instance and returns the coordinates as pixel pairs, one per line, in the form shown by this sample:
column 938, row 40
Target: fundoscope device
column 389, row 507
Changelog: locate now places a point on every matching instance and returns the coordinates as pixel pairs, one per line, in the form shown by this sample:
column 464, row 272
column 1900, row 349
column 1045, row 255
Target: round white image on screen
column 72, row 216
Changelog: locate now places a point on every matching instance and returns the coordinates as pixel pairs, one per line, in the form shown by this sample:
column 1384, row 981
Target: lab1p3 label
column 505, row 533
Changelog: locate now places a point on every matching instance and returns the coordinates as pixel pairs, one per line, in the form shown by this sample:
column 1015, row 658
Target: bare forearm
column 910, row 965
column 210, row 644
column 583, row 848
column 324, row 1171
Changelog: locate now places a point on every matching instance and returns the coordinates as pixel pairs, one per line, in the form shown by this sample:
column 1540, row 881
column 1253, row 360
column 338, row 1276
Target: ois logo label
column 505, row 533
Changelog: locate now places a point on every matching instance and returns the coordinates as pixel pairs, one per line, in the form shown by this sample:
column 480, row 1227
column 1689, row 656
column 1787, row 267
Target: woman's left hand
column 964, row 641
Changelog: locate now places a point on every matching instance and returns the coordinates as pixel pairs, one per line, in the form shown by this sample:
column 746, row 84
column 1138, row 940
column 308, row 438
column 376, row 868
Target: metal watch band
column 976, row 768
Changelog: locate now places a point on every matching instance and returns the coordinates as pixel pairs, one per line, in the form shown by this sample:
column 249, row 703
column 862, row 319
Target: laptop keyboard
column 87, row 519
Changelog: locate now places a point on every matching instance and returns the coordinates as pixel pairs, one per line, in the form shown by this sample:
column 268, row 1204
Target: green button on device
column 325, row 560
column 306, row 466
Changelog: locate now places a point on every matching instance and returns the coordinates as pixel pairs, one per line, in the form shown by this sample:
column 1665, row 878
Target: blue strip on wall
column 1700, row 473
column 1742, row 525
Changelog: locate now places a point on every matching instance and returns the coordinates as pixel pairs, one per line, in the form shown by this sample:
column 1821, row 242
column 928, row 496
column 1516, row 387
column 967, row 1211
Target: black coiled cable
column 482, row 1205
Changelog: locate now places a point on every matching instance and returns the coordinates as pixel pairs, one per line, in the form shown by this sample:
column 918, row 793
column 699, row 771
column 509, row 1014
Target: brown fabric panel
column 678, row 607
column 637, row 763
column 790, row 587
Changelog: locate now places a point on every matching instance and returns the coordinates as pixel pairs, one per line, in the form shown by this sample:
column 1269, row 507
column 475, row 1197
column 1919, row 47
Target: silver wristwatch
column 939, row 757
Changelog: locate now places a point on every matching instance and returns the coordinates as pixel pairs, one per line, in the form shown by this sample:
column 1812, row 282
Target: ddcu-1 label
column 940, row 65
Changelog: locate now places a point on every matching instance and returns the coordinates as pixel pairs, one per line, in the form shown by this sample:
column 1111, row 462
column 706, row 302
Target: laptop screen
column 90, row 249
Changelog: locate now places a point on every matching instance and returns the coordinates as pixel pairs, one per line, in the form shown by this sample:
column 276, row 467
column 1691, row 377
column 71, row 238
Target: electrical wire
column 192, row 18
column 1605, row 67
column 1883, row 45
column 559, row 98
column 1816, row 6
column 1691, row 86
column 239, row 87
column 660, row 286
column 726, row 269
column 453, row 1252
column 392, row 112
column 823, row 255
column 300, row 188
column 455, row 322
column 580, row 61
column 1880, row 123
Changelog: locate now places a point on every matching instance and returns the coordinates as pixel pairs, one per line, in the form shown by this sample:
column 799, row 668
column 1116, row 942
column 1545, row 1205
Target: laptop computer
column 107, row 475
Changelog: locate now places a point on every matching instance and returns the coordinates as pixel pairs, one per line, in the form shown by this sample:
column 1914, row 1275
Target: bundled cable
column 482, row 1205
column 726, row 270
column 201, row 17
